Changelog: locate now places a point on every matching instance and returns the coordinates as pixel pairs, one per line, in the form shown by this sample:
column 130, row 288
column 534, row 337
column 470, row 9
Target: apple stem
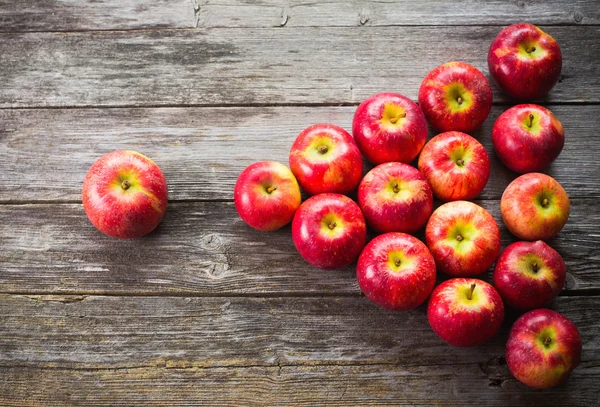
column 530, row 119
column 459, row 100
column 322, row 149
column 530, row 50
column 460, row 162
column 396, row 188
column 547, row 341
column 271, row 189
column 470, row 293
column 459, row 238
column 125, row 184
column 545, row 202
column 397, row 262
column 332, row 225
column 393, row 120
column 535, row 267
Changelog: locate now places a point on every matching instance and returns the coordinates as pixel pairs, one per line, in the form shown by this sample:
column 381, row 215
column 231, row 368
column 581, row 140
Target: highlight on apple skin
column 543, row 348
column 534, row 206
column 389, row 127
column 465, row 312
column 525, row 61
column 527, row 138
column 325, row 158
column 396, row 271
column 463, row 238
column 456, row 166
column 329, row 231
column 529, row 275
column 266, row 195
column 125, row 194
column 395, row 197
column 455, row 96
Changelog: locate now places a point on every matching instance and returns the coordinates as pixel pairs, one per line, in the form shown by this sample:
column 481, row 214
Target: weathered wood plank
column 53, row 15
column 258, row 66
column 217, row 351
column 64, row 15
column 45, row 153
column 205, row 249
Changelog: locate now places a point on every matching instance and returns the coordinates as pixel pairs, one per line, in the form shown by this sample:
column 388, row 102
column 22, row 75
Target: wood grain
column 55, row 15
column 206, row 249
column 258, row 66
column 45, row 153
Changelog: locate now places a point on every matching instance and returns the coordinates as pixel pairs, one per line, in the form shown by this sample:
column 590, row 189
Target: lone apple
column 455, row 96
column 524, row 61
column 325, row 158
column 389, row 127
column 456, row 165
column 535, row 207
column 125, row 194
column 395, row 197
column 266, row 195
column 396, row 271
column 527, row 138
column 543, row 348
column 329, row 231
column 529, row 275
column 464, row 238
column 465, row 312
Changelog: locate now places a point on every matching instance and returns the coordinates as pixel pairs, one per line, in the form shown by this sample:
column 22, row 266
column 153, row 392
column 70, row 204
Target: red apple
column 535, row 207
column 266, row 195
column 125, row 194
column 389, row 127
column 395, row 197
column 524, row 61
column 463, row 238
column 396, row 271
column 543, row 348
column 325, row 158
column 455, row 96
column 456, row 165
column 527, row 138
column 465, row 312
column 329, row 231
column 529, row 275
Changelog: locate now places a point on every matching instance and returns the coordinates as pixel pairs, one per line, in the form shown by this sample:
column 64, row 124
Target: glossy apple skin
column 529, row 275
column 463, row 238
column 527, row 138
column 325, row 158
column 259, row 208
column 522, row 207
column 531, row 361
column 462, row 322
column 396, row 271
column 456, row 166
column 439, row 97
column 520, row 74
column 125, row 194
column 395, row 197
column 382, row 135
column 329, row 231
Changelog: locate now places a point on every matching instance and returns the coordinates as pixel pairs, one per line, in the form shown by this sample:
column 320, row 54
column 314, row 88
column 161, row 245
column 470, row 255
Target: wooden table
column 206, row 311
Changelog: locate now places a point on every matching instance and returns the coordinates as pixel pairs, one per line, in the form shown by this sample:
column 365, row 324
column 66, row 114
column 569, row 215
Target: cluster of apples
column 395, row 269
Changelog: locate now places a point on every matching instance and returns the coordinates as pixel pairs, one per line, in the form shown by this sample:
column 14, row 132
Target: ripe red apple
column 455, row 96
column 456, row 165
column 329, row 231
column 543, row 348
column 529, row 275
column 396, row 271
column 465, row 312
column 524, row 61
column 266, row 195
column 463, row 238
column 535, row 207
column 125, row 194
column 325, row 158
column 527, row 138
column 395, row 197
column 389, row 127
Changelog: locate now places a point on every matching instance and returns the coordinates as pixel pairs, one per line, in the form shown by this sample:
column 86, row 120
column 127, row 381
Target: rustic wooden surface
column 206, row 311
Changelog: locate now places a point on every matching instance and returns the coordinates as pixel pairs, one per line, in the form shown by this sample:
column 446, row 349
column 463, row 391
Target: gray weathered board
column 205, row 310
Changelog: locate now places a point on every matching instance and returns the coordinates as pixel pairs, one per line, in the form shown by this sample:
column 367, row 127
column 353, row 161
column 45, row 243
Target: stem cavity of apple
column 271, row 189
column 460, row 238
column 125, row 184
column 460, row 162
column 531, row 117
column 545, row 202
column 396, row 188
column 459, row 100
column 470, row 293
column 393, row 120
column 530, row 49
column 397, row 262
column 332, row 225
column 547, row 341
column 322, row 149
column 535, row 267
